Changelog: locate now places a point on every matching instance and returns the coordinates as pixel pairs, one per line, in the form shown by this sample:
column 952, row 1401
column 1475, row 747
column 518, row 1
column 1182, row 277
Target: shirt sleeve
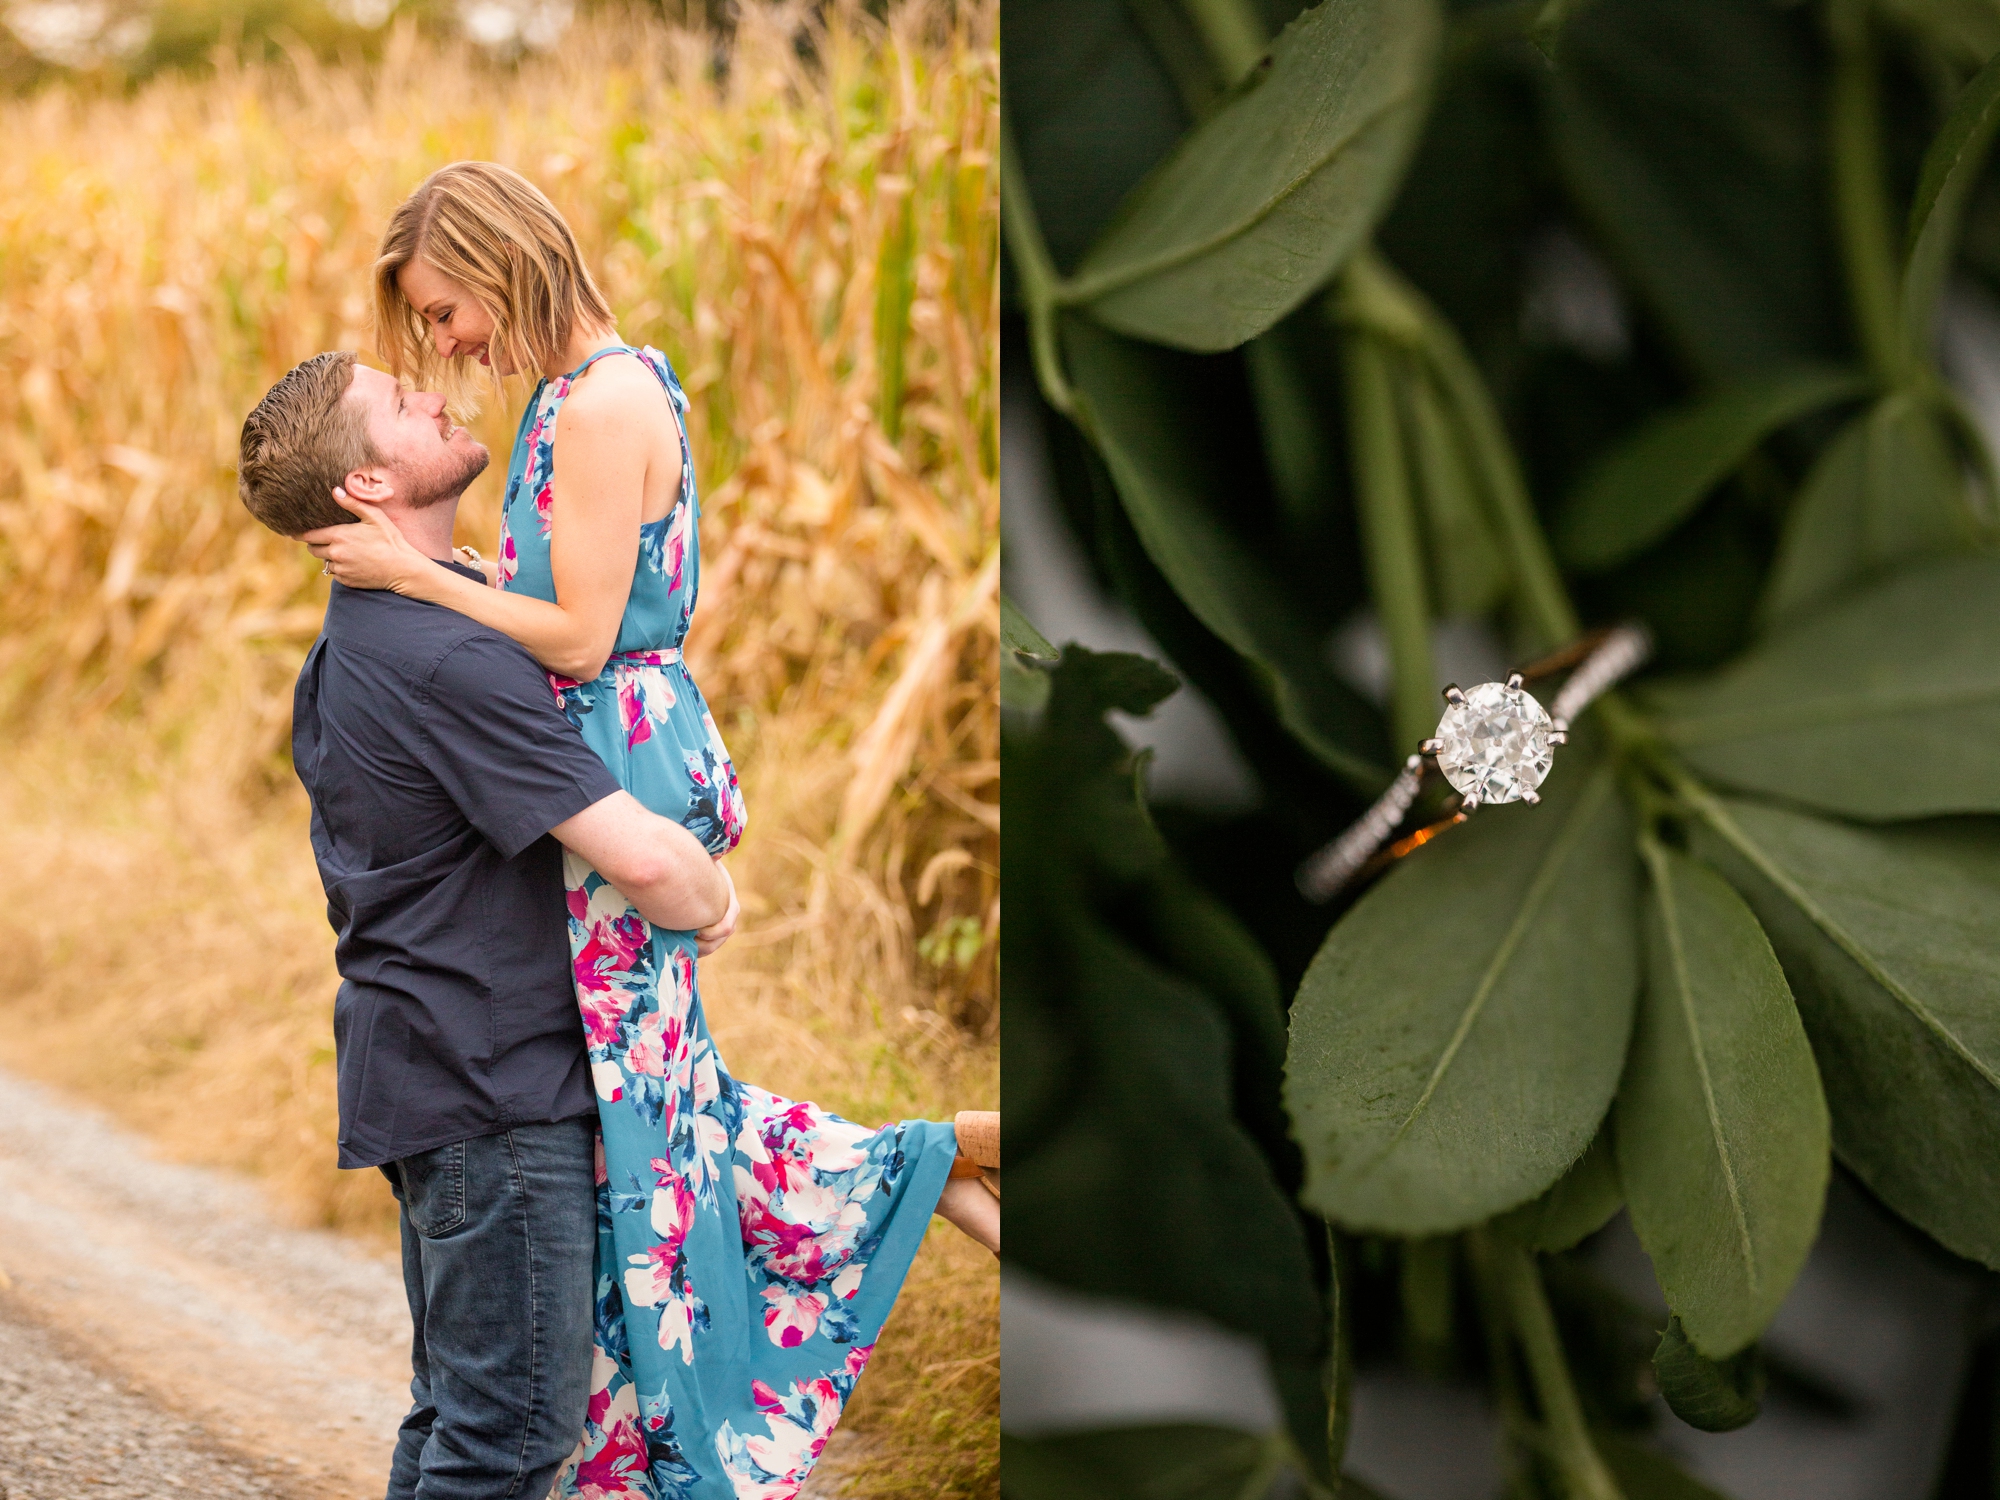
column 501, row 747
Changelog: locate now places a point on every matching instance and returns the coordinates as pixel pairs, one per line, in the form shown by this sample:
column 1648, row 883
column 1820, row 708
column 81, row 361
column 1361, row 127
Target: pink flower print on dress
column 607, row 936
column 644, row 696
column 604, row 1012
column 792, row 1317
column 647, row 1055
column 773, row 1467
column 632, row 714
column 676, row 549
column 616, row 1471
column 510, row 557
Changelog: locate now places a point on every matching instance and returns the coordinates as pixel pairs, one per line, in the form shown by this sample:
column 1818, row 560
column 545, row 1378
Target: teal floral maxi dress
column 749, row 1247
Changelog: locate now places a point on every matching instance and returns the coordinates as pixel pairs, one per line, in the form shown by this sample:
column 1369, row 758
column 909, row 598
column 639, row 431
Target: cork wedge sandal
column 978, row 1132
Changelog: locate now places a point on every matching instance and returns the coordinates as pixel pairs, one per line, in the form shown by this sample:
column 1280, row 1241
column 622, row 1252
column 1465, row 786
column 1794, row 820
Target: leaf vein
column 1538, row 889
column 1676, row 948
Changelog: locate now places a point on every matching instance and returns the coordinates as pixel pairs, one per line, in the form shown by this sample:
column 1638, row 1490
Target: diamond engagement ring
column 1495, row 743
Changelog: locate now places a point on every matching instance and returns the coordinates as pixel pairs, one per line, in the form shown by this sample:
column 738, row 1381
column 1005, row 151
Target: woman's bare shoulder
column 617, row 388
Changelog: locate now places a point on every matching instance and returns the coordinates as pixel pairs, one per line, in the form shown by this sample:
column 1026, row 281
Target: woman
column 749, row 1247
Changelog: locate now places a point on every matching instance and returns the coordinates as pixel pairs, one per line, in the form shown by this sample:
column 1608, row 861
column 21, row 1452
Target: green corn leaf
column 1714, row 1395
column 1951, row 170
column 895, row 290
column 1886, row 935
column 1148, row 430
column 1580, row 1203
column 1721, row 1125
column 1653, row 480
column 1458, row 1038
column 1889, row 488
column 1266, row 197
column 1884, row 706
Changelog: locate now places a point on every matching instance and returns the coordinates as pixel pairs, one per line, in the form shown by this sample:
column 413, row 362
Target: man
column 445, row 784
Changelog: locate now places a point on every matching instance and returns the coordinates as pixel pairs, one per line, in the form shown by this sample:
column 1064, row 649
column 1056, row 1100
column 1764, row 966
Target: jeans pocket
column 434, row 1189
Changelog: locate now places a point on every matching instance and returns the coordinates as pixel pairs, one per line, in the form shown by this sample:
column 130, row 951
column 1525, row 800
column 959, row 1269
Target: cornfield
column 806, row 223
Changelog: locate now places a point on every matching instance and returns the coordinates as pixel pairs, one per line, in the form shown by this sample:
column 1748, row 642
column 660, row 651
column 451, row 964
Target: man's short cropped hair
column 304, row 438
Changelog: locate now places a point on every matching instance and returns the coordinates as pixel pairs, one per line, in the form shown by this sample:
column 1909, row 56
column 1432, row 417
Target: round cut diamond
column 1495, row 745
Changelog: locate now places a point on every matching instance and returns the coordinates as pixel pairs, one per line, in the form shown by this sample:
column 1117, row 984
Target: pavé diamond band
column 1495, row 743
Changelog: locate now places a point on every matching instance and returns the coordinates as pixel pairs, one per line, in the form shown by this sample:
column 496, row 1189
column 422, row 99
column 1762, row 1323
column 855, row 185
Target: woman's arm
column 600, row 484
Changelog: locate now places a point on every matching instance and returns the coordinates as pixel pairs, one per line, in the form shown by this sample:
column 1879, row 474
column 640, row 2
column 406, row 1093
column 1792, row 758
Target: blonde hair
column 494, row 233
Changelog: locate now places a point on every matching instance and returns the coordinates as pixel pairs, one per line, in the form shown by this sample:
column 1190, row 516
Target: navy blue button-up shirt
column 437, row 761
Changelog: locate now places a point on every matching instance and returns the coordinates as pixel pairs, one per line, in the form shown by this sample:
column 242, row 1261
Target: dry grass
column 813, row 244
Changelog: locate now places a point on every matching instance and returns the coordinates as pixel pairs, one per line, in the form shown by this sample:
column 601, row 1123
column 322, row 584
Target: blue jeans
column 498, row 1234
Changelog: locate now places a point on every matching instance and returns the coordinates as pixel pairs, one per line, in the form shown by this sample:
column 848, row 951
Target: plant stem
column 1231, row 32
column 1340, row 1361
column 1860, row 202
column 1568, row 1442
column 1494, row 1326
column 1537, row 580
column 1037, row 270
column 1389, row 540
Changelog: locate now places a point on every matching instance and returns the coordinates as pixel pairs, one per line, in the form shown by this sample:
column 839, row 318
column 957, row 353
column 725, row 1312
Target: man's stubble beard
column 450, row 483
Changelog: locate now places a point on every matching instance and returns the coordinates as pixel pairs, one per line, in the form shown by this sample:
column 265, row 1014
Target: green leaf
column 1714, row 1395
column 1016, row 634
column 1178, row 1462
column 1967, row 30
column 1721, row 1125
column 1022, row 650
column 1093, row 111
column 1645, row 1473
column 1886, row 935
column 1148, row 430
column 1689, row 136
column 1653, row 480
column 1580, row 1203
column 1886, row 705
column 1263, row 201
column 1888, row 489
column 1457, row 1040
column 1127, row 1044
column 1951, row 171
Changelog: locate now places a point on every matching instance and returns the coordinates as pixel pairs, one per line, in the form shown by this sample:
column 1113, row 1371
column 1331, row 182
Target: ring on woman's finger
column 327, row 567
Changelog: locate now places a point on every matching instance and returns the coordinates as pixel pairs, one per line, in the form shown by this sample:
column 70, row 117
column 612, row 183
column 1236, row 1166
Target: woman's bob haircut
column 494, row 233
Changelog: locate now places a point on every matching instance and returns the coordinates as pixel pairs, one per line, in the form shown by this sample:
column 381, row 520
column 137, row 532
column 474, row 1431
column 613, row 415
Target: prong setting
column 1469, row 803
column 1453, row 696
column 1430, row 747
column 1514, row 681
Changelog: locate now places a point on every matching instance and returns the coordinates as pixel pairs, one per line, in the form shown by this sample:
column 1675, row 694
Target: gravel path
column 164, row 1336
column 162, row 1322
column 67, row 1428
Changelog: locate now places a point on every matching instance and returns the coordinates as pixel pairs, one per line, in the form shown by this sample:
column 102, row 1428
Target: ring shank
column 1601, row 659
